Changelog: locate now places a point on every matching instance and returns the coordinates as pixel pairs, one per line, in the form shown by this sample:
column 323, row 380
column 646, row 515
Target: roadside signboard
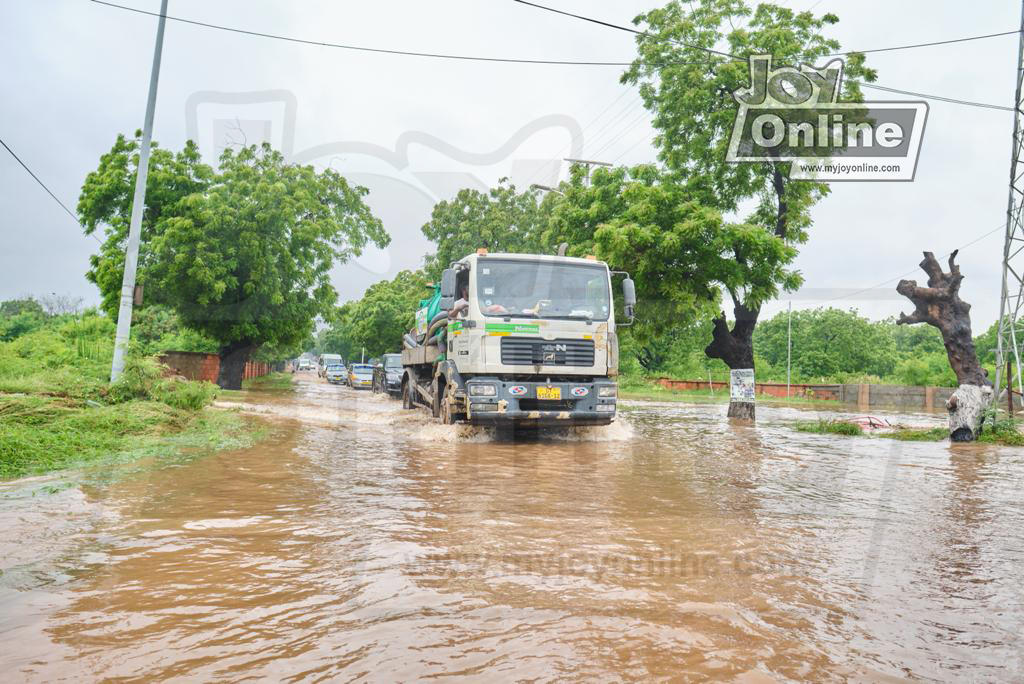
column 741, row 384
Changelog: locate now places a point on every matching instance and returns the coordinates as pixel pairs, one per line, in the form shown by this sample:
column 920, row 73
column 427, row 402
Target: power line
column 1001, row 226
column 646, row 34
column 361, row 48
column 940, row 98
column 926, row 96
column 44, row 187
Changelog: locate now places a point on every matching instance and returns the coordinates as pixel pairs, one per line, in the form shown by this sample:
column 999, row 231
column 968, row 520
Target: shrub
column 144, row 378
column 832, row 427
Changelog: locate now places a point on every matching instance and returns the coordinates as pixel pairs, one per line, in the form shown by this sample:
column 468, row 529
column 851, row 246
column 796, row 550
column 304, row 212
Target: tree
column 243, row 254
column 939, row 305
column 376, row 322
column 828, row 343
column 500, row 220
column 681, row 253
column 689, row 87
column 106, row 202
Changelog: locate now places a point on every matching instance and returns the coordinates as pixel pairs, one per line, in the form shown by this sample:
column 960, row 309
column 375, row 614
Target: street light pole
column 131, row 257
column 789, row 345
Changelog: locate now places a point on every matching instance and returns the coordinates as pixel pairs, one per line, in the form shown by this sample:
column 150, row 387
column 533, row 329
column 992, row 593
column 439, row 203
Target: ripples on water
column 365, row 542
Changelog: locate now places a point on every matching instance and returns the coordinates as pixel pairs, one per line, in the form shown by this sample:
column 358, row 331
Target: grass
column 275, row 382
column 58, row 411
column 642, row 389
column 42, row 434
column 908, row 434
column 830, row 427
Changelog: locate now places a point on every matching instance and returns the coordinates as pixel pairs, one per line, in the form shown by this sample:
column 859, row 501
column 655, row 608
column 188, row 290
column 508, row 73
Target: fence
column 199, row 366
column 864, row 396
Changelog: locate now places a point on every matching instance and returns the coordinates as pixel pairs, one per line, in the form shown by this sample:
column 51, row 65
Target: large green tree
column 687, row 83
column 242, row 254
column 682, row 254
column 376, row 322
column 500, row 220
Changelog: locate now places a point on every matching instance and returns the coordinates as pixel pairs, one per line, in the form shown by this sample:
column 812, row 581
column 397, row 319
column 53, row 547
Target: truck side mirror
column 629, row 297
column 448, row 283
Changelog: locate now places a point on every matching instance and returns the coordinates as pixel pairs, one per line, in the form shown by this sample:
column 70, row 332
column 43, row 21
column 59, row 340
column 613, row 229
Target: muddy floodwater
column 361, row 542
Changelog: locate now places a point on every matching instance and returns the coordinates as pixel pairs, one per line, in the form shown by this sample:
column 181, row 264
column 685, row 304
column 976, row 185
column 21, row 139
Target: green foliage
column 928, row 369
column 501, row 220
column 377, row 322
column 15, row 307
column 689, row 91
column 157, row 329
column 40, row 434
column 830, row 427
column 1004, row 431
column 827, row 343
column 144, row 378
column 242, row 255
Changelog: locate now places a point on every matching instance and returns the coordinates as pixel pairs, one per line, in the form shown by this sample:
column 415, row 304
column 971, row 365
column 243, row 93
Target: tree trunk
column 233, row 358
column 940, row 305
column 736, row 348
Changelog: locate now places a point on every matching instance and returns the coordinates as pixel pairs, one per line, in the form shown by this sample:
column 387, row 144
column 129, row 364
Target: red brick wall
column 827, row 392
column 192, row 365
column 198, row 366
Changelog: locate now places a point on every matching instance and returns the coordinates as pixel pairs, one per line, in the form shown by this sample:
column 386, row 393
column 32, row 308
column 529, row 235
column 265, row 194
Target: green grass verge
column 829, row 427
column 40, row 434
column 273, row 382
column 641, row 389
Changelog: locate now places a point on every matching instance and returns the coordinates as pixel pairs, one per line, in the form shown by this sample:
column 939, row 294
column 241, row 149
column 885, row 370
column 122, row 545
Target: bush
column 832, row 427
column 144, row 378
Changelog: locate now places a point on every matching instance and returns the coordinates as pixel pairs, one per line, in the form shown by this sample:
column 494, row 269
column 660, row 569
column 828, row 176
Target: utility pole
column 546, row 188
column 587, row 163
column 131, row 257
column 1013, row 242
column 789, row 345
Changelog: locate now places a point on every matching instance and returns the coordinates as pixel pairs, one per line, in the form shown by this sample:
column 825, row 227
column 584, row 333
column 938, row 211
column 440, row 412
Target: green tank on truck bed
column 517, row 339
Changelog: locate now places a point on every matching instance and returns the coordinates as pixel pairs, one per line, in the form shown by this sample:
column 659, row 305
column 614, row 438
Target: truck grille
column 526, row 351
column 547, row 404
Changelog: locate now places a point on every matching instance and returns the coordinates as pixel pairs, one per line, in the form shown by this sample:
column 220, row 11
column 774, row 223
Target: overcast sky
column 414, row 130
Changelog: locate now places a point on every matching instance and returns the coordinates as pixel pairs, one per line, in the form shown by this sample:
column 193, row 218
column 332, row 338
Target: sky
column 414, row 130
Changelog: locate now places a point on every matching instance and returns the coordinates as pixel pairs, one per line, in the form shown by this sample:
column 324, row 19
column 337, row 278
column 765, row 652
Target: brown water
column 365, row 543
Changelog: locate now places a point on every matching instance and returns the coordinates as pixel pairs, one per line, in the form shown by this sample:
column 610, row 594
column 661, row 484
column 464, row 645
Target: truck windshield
column 543, row 289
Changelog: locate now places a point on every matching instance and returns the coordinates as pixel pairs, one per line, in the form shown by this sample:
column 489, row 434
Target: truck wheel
column 407, row 402
column 444, row 413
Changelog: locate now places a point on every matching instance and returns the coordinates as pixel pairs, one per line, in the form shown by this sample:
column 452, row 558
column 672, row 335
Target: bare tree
column 940, row 305
column 61, row 305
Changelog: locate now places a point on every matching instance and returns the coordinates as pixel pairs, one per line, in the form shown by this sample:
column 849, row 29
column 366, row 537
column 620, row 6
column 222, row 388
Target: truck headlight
column 607, row 391
column 483, row 390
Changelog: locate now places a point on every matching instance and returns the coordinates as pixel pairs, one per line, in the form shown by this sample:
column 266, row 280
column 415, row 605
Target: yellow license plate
column 549, row 392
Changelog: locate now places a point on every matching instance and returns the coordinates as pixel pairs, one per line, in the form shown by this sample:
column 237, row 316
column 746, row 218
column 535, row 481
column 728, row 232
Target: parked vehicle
column 387, row 375
column 327, row 360
column 336, row 374
column 305, row 365
column 360, row 376
column 517, row 339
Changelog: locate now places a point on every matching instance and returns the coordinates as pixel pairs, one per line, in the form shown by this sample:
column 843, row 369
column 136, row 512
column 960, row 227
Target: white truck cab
column 520, row 338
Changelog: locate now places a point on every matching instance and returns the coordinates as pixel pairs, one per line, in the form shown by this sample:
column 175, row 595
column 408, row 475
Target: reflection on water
column 364, row 542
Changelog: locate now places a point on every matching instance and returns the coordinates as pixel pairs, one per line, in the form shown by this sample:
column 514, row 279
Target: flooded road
column 363, row 543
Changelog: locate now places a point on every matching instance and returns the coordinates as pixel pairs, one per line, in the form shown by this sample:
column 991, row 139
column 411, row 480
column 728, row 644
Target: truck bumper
column 529, row 403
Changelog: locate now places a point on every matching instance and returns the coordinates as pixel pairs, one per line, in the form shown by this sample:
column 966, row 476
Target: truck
column 513, row 340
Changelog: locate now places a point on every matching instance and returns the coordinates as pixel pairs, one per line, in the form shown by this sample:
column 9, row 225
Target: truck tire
column 443, row 400
column 407, row 402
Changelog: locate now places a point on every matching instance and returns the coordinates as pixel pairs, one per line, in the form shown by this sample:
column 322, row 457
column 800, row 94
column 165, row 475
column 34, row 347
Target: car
column 360, row 375
column 327, row 360
column 335, row 373
column 387, row 375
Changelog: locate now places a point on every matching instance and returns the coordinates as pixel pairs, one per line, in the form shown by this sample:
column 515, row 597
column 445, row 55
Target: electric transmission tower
column 1011, row 315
